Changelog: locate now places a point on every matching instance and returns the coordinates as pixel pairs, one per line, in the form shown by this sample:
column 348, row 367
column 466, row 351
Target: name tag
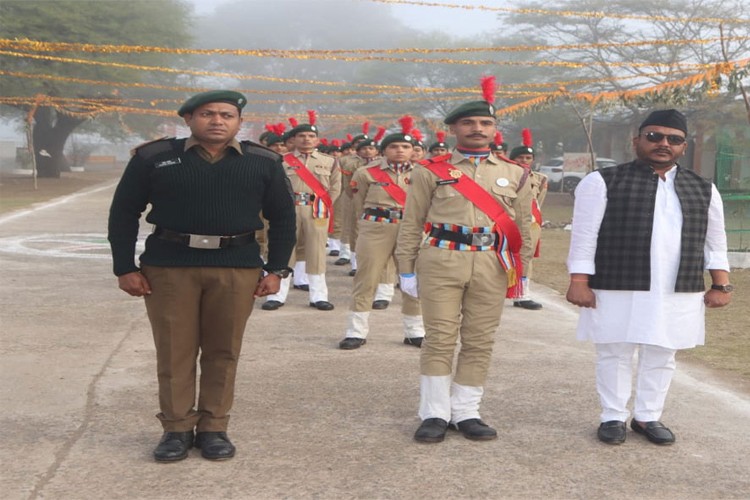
column 166, row 163
column 381, row 183
column 443, row 182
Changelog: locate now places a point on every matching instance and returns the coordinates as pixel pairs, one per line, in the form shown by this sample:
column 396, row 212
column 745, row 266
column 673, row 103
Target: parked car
column 553, row 169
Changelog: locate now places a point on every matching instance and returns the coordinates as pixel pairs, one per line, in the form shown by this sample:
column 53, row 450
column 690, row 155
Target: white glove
column 409, row 284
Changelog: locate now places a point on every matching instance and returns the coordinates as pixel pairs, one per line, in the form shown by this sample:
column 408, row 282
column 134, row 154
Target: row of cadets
column 524, row 155
column 379, row 194
column 316, row 183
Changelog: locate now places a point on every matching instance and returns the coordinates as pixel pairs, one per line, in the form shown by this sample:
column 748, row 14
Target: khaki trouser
column 462, row 296
column 342, row 218
column 312, row 235
column 536, row 233
column 376, row 244
column 192, row 310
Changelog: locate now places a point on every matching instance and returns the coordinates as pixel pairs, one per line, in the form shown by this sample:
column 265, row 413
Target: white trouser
column 318, row 287
column 358, row 325
column 526, row 293
column 345, row 252
column 300, row 275
column 353, row 259
column 385, row 291
column 614, row 380
column 465, row 401
column 280, row 296
column 435, row 397
column 334, row 244
column 413, row 326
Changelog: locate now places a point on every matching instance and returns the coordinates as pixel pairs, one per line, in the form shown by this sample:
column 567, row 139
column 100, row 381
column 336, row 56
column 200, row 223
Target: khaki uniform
column 538, row 183
column 313, row 232
column 377, row 240
column 349, row 165
column 461, row 292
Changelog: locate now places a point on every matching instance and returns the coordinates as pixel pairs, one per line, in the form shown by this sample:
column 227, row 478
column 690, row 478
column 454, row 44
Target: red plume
column 380, row 134
column 407, row 123
column 366, row 128
column 349, row 137
column 293, row 121
column 280, row 128
column 488, row 88
column 336, row 143
column 417, row 134
column 441, row 136
column 498, row 138
column 526, row 137
column 270, row 128
column 324, row 141
column 312, row 117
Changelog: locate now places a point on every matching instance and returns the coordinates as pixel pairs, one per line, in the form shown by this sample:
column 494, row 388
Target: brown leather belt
column 204, row 241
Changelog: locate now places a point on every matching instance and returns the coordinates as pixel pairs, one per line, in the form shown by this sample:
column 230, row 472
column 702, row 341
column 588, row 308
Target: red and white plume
column 312, row 116
column 498, row 138
column 407, row 123
column 489, row 86
column 417, row 134
column 366, row 128
column 380, row 134
column 526, row 137
column 293, row 121
column 440, row 136
column 324, row 141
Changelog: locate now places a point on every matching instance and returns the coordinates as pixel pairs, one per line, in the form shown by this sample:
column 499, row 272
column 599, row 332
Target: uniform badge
column 502, row 182
column 456, row 174
column 166, row 163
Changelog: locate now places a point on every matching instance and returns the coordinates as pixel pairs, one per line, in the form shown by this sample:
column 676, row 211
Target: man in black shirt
column 201, row 270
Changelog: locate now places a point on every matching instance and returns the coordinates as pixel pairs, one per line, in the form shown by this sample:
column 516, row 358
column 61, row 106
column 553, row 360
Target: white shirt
column 659, row 316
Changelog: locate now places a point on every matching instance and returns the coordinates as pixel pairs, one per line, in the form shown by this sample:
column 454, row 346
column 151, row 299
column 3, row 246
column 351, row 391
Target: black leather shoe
column 322, row 305
column 475, row 429
column 528, row 304
column 173, row 446
column 333, row 253
column 352, row 272
column 432, row 430
column 271, row 305
column 350, row 343
column 611, row 432
column 214, row 445
column 304, row 288
column 380, row 304
column 415, row 341
column 655, row 431
column 341, row 261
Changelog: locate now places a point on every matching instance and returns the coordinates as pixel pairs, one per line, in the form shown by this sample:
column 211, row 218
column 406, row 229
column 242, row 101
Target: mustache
column 478, row 135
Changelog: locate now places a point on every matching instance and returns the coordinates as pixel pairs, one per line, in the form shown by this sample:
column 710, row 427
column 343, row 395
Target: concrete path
column 311, row 421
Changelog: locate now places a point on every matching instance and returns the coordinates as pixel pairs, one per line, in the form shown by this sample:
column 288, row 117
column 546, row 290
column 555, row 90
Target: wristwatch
column 728, row 288
column 281, row 273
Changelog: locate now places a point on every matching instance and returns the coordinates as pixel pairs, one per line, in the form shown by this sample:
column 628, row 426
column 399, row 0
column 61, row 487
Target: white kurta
column 658, row 316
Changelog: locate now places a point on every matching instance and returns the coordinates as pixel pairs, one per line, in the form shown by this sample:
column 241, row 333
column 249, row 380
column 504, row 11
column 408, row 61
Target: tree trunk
column 51, row 132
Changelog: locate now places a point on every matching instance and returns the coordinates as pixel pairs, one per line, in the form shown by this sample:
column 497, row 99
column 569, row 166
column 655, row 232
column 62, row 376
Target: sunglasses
column 656, row 137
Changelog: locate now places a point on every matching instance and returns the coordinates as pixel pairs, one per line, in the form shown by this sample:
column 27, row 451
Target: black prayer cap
column 670, row 118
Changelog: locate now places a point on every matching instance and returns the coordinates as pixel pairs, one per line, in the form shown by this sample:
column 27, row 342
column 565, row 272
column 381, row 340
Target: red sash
column 394, row 190
column 505, row 227
column 313, row 183
column 537, row 215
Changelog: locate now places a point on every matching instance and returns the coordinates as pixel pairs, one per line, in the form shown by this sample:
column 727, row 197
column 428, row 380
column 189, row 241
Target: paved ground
column 311, row 421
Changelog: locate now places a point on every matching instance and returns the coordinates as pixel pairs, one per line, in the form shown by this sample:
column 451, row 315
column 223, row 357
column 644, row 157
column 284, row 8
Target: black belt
column 387, row 213
column 204, row 241
column 475, row 239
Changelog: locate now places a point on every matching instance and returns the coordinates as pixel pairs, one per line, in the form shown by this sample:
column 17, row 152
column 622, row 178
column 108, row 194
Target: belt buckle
column 394, row 214
column 204, row 241
column 482, row 239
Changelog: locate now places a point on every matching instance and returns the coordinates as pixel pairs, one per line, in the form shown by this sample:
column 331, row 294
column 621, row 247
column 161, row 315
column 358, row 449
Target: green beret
column 228, row 96
column 520, row 150
column 346, row 145
column 436, row 145
column 303, row 127
column 367, row 142
column 474, row 108
column 272, row 139
column 391, row 138
column 500, row 147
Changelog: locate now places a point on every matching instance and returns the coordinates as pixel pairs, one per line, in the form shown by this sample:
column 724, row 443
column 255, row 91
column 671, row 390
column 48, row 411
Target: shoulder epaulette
column 251, row 147
column 154, row 147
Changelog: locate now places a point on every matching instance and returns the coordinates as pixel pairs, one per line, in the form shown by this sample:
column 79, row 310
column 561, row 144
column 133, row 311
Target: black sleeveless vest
column 623, row 252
